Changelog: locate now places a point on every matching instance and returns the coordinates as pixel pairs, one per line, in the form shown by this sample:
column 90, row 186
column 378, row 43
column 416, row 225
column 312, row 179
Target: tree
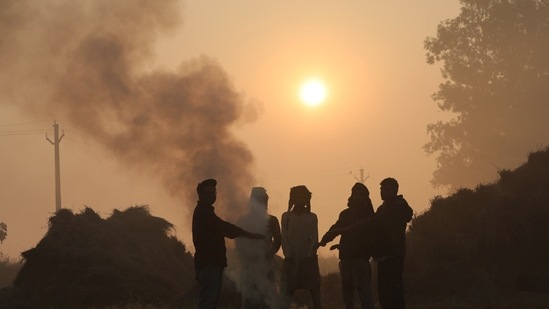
column 3, row 231
column 495, row 67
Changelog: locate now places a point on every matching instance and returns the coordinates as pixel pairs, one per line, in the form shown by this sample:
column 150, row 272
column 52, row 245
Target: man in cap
column 355, row 248
column 209, row 232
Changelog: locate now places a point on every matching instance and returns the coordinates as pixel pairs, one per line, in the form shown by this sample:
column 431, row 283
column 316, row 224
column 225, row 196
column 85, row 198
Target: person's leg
column 248, row 304
column 252, row 295
column 390, row 283
column 313, row 272
column 383, row 284
column 253, row 304
column 210, row 280
column 288, row 282
column 399, row 283
column 271, row 299
column 363, row 283
column 347, row 288
column 287, row 297
column 315, row 295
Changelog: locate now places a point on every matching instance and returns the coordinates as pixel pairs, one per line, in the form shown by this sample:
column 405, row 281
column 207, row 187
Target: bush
column 8, row 271
column 493, row 236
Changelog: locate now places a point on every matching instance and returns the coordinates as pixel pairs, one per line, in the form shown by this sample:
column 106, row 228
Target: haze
column 369, row 53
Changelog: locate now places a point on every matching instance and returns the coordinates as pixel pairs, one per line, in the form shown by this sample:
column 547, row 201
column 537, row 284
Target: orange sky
column 369, row 54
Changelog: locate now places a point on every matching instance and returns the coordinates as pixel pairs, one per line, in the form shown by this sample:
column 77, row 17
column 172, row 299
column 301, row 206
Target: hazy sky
column 368, row 53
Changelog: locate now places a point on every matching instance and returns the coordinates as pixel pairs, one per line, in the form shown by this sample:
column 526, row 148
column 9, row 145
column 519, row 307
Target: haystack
column 85, row 261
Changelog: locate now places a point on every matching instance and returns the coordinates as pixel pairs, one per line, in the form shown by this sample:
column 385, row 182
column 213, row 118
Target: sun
column 313, row 92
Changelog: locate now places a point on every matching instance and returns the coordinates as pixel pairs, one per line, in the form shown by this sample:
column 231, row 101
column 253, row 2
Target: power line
column 22, row 123
column 23, row 132
column 11, row 131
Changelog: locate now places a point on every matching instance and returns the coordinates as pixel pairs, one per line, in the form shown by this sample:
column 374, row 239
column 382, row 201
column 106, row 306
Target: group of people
column 365, row 234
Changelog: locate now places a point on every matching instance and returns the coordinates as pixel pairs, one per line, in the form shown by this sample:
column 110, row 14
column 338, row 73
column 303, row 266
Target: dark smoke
column 84, row 63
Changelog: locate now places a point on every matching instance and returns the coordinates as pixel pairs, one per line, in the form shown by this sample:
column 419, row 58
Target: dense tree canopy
column 495, row 63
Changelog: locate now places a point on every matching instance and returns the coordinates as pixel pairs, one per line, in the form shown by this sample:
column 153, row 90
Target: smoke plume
column 84, row 63
column 257, row 269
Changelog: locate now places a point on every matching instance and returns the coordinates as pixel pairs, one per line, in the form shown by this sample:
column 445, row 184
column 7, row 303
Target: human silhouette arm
column 328, row 237
column 315, row 234
column 358, row 227
column 276, row 237
column 334, row 231
column 251, row 235
column 233, row 231
column 285, row 239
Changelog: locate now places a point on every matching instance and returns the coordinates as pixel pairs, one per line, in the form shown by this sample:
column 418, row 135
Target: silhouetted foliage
column 496, row 72
column 86, row 261
column 478, row 242
column 8, row 268
column 3, row 231
column 8, row 271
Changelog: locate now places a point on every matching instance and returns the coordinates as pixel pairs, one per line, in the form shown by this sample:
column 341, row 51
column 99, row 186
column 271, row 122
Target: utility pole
column 55, row 143
column 362, row 179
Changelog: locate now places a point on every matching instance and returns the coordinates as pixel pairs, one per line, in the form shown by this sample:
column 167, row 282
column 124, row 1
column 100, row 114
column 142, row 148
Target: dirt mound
column 86, row 261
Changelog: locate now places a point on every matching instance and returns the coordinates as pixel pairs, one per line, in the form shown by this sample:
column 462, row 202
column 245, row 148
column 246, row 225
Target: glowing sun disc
column 313, row 92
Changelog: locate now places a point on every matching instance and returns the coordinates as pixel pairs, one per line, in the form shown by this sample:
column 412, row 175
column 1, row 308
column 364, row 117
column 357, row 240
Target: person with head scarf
column 355, row 248
column 299, row 239
column 257, row 269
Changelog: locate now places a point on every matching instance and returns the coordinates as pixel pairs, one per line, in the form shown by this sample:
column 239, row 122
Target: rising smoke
column 257, row 275
column 84, row 63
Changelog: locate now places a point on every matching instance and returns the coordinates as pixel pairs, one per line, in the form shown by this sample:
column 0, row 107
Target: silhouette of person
column 390, row 223
column 209, row 232
column 355, row 248
column 257, row 275
column 299, row 238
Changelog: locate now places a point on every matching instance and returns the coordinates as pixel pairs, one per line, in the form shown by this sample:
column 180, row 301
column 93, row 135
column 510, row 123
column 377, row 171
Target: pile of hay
column 86, row 261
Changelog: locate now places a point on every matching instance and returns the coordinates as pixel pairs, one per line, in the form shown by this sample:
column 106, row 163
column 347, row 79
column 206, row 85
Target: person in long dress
column 299, row 243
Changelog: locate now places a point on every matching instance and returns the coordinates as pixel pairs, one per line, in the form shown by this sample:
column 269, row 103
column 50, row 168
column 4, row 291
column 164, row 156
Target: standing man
column 390, row 223
column 355, row 248
column 209, row 232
